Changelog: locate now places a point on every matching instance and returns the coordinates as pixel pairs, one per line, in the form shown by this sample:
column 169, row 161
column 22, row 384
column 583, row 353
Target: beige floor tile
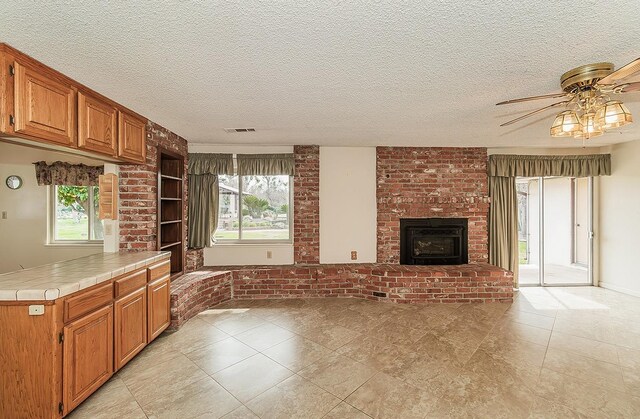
column 113, row 399
column 248, row 378
column 240, row 323
column 297, row 353
column 241, row 413
column 522, row 331
column 583, row 368
column 204, row 398
column 328, row 335
column 345, row 411
column 630, row 365
column 423, row 371
column 384, row 396
column 338, row 374
column 531, row 319
column 157, row 381
column 220, row 355
column 197, row 334
column 586, row 347
column 474, row 394
column 373, row 352
column 264, row 336
column 586, row 398
column 295, row 397
column 399, row 334
column 544, row 409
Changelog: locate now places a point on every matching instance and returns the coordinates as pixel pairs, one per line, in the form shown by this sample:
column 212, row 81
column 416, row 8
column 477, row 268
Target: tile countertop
column 55, row 280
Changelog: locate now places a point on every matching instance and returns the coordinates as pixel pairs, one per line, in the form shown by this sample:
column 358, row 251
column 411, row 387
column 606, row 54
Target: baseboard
column 619, row 289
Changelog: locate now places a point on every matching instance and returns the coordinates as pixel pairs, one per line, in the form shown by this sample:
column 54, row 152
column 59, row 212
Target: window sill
column 76, row 244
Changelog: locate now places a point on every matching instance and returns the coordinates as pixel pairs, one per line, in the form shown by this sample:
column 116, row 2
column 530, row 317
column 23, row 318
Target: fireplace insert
column 434, row 241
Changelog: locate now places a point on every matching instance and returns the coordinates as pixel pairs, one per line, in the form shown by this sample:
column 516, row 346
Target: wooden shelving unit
column 171, row 236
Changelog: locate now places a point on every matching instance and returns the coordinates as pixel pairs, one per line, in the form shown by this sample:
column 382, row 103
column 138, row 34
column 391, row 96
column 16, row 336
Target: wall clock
column 14, row 182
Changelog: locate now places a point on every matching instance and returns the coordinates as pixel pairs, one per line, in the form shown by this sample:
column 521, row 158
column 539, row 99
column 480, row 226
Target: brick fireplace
column 420, row 182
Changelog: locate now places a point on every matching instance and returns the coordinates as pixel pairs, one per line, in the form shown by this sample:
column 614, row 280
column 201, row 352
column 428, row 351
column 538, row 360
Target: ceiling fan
column 590, row 111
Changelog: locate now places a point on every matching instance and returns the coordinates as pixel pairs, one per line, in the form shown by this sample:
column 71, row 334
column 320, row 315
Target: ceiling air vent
column 234, row 130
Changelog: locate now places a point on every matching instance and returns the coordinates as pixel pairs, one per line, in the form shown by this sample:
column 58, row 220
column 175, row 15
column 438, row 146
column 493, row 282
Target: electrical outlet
column 354, row 255
column 36, row 310
column 4, row 215
column 108, row 229
column 269, row 254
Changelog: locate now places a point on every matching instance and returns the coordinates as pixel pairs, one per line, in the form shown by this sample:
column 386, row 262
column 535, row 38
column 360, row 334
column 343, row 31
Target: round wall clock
column 14, row 182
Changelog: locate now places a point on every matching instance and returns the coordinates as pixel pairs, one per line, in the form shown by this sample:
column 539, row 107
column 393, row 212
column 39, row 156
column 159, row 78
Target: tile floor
column 554, row 352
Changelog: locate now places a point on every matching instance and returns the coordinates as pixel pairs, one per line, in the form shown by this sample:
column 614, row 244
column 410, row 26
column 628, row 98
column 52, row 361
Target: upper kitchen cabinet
column 97, row 125
column 132, row 136
column 43, row 108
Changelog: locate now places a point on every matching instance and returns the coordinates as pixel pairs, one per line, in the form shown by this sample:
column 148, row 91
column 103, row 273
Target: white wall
column 347, row 204
column 23, row 234
column 620, row 220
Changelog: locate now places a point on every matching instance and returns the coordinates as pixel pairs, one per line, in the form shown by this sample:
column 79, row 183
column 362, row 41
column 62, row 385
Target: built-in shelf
column 171, row 224
column 168, row 245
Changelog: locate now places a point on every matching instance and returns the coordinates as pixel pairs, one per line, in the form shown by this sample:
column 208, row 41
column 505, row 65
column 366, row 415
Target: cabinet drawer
column 88, row 301
column 131, row 282
column 159, row 270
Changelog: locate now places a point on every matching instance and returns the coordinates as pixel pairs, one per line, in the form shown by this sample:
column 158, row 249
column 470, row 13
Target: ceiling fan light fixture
column 590, row 127
column 613, row 114
column 566, row 124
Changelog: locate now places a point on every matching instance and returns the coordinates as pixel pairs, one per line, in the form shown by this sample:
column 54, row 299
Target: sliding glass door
column 555, row 230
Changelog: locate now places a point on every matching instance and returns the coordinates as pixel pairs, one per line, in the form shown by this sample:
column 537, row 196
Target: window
column 254, row 208
column 74, row 215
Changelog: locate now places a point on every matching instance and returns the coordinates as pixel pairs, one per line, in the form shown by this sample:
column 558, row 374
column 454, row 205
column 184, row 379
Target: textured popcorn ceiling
column 350, row 72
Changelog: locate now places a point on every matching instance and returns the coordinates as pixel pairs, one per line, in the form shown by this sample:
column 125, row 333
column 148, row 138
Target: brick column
column 306, row 204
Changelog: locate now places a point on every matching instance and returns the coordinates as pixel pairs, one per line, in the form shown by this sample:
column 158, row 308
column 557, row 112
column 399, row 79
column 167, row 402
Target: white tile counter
column 55, row 280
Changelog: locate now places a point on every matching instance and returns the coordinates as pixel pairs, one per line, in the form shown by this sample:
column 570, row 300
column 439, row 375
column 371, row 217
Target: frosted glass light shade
column 590, row 127
column 566, row 124
column 613, row 114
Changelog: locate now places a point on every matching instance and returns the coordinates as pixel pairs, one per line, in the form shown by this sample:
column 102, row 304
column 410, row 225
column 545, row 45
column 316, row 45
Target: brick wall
column 197, row 291
column 138, row 206
column 306, row 205
column 478, row 283
column 419, row 182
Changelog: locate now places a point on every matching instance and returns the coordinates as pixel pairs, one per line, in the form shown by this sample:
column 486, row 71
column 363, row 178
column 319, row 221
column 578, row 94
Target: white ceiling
column 424, row 73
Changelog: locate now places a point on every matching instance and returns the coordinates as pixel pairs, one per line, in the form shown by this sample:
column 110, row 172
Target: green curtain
column 204, row 169
column 503, row 213
column 203, row 209
column 265, row 164
column 503, row 224
column 210, row 163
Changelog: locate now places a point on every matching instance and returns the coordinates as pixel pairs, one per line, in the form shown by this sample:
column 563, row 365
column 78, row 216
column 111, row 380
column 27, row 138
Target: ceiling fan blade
column 628, row 87
column 622, row 73
column 526, row 99
column 513, row 121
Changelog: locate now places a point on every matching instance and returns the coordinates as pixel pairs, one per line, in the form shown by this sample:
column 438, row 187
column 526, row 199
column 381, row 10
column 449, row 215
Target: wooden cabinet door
column 159, row 313
column 97, row 125
column 44, row 107
column 132, row 138
column 130, row 326
column 88, row 356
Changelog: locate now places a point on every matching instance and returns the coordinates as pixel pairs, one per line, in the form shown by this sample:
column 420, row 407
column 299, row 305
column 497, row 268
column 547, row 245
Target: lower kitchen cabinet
column 159, row 311
column 130, row 326
column 56, row 353
column 88, row 356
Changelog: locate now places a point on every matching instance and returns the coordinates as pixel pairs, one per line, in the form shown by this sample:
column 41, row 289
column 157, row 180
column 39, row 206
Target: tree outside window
column 75, row 214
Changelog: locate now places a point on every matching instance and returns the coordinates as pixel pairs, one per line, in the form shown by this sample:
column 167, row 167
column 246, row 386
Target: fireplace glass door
column 555, row 231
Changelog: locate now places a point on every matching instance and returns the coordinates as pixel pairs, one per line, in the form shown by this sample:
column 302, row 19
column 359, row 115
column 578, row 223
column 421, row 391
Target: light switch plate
column 36, row 310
